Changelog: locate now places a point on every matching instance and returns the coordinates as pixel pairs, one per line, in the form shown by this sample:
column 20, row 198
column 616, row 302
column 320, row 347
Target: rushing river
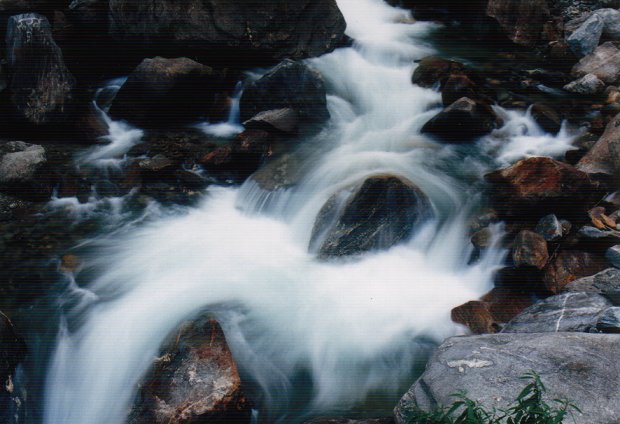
column 331, row 333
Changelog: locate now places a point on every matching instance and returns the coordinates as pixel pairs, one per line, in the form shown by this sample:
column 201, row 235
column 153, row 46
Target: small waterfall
column 315, row 337
column 231, row 126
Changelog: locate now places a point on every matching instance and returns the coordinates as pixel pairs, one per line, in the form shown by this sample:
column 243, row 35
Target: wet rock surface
column 12, row 352
column 194, row 380
column 382, row 212
column 41, row 86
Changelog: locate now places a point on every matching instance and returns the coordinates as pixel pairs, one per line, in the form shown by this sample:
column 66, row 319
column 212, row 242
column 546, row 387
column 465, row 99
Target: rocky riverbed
column 116, row 114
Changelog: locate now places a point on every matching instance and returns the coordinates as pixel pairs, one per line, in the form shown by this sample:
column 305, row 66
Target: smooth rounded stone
column 380, row 213
column 435, row 70
column 20, row 161
column 576, row 312
column 588, row 85
column 609, row 321
column 584, row 39
column 456, row 87
column 41, row 85
column 570, row 265
column 244, row 32
column 530, row 249
column 613, row 255
column 476, row 316
column 462, row 121
column 160, row 91
column 283, row 120
column 546, row 117
column 155, row 164
column 280, row 173
column 580, row 367
column 290, row 84
column 538, row 186
column 550, row 228
column 195, row 379
column 482, row 239
column 603, row 62
column 599, row 218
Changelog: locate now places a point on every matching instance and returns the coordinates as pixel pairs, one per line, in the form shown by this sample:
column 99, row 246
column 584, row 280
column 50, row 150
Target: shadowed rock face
column 12, row 352
column 381, row 213
column 40, row 83
column 580, row 367
column 281, row 28
column 195, row 380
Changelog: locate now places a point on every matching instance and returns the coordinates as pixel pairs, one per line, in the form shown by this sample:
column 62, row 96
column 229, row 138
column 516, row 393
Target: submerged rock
column 263, row 30
column 194, row 380
column 579, row 367
column 382, row 212
column 535, row 187
column 41, row 86
column 565, row 312
column 462, row 121
column 291, row 85
column 161, row 91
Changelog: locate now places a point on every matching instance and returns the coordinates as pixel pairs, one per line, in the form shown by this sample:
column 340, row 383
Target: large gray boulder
column 606, row 283
column 580, row 367
column 41, row 85
column 383, row 211
column 585, row 39
column 273, row 29
column 561, row 313
column 603, row 62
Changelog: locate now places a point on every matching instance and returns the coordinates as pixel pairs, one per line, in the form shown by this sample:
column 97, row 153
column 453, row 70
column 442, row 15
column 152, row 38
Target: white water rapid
column 354, row 328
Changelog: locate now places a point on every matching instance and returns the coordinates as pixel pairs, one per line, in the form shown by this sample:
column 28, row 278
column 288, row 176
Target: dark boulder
column 262, row 30
column 457, row 86
column 550, row 227
column 538, row 186
column 580, row 367
column 12, row 353
column 530, row 249
column 41, row 86
column 577, row 312
column 546, row 117
column 194, row 380
column 380, row 213
column 433, row 70
column 523, row 21
column 22, row 170
column 462, row 121
column 277, row 120
column 161, row 91
column 602, row 159
column 291, row 85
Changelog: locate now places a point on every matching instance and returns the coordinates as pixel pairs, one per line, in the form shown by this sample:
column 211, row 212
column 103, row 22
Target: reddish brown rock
column 538, row 186
column 504, row 303
column 195, row 380
column 476, row 316
column 530, row 249
column 570, row 265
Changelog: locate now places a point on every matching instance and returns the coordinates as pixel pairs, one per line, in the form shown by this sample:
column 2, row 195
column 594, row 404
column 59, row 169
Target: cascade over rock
column 194, row 380
column 274, row 29
column 382, row 212
column 41, row 85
